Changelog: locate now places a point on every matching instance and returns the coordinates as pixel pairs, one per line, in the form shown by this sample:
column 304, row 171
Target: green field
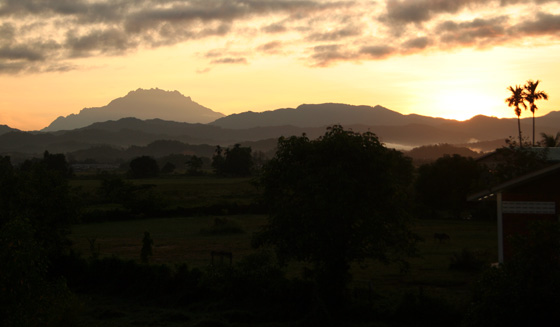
column 181, row 240
column 188, row 191
column 176, row 240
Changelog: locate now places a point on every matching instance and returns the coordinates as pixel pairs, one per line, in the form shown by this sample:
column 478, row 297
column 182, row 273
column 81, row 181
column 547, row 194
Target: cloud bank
column 52, row 35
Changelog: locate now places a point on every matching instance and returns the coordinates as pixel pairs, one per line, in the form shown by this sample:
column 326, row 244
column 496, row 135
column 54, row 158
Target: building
column 531, row 197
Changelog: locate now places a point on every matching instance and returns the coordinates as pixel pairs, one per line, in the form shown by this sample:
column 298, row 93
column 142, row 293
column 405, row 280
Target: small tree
column 444, row 184
column 550, row 141
column 168, row 168
column 236, row 161
column 336, row 200
column 194, row 165
column 517, row 161
column 144, row 167
column 147, row 244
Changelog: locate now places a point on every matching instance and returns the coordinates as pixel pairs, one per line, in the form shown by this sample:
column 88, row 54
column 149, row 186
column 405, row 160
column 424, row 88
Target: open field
column 189, row 191
column 181, row 240
column 176, row 240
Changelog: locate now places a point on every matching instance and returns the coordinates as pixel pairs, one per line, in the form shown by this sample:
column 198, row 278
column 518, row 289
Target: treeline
column 332, row 202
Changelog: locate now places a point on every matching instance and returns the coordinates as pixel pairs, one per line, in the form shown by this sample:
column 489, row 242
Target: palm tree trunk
column 533, row 129
column 519, row 130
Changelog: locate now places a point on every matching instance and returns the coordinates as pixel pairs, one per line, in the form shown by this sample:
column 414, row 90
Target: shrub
column 467, row 260
column 524, row 290
column 421, row 309
column 223, row 226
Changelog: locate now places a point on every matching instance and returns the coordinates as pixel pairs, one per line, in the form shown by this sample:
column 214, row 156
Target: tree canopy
column 236, row 161
column 335, row 200
column 443, row 185
column 144, row 167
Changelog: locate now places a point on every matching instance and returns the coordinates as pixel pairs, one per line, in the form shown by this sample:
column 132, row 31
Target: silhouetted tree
column 29, row 296
column 194, row 165
column 444, row 184
column 531, row 95
column 36, row 209
column 7, row 189
column 218, row 160
column 515, row 100
column 233, row 162
column 335, row 200
column 143, row 167
column 43, row 196
column 56, row 162
column 516, row 161
column 114, row 189
column 168, row 168
column 550, row 141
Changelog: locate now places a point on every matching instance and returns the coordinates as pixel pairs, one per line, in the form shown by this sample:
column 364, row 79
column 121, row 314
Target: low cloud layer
column 50, row 35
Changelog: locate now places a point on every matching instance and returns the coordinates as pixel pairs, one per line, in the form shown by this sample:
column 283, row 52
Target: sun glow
column 463, row 105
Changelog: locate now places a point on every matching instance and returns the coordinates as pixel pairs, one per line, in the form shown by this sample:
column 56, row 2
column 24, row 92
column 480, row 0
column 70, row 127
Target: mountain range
column 145, row 116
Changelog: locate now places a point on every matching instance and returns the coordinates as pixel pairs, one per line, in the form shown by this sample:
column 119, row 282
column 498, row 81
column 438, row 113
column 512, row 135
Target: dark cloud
column 543, row 24
column 111, row 41
column 7, row 67
column 7, row 32
column 418, row 11
column 216, row 10
column 44, row 35
column 403, row 12
column 21, row 52
column 326, row 55
column 214, row 53
column 478, row 32
column 514, row 2
column 229, row 61
column 417, row 43
column 377, row 51
column 270, row 47
column 275, row 28
column 335, row 35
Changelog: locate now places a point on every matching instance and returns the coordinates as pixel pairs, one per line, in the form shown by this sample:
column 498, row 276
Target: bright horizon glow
column 444, row 59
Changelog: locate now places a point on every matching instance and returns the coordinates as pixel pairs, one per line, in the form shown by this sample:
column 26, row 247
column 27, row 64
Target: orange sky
column 446, row 58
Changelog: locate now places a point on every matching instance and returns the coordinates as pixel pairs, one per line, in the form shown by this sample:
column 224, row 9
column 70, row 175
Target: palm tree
column 550, row 141
column 531, row 95
column 515, row 100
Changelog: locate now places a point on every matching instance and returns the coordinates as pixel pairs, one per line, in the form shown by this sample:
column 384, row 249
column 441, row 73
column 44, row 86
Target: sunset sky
column 445, row 58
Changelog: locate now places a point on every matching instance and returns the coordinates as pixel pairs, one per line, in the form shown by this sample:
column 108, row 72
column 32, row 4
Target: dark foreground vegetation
column 335, row 231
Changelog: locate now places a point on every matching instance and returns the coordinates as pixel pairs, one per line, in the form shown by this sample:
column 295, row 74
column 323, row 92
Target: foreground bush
column 524, row 291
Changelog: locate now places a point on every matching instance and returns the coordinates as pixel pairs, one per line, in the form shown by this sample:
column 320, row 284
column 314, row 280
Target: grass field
column 176, row 240
column 181, row 240
column 189, row 191
column 186, row 240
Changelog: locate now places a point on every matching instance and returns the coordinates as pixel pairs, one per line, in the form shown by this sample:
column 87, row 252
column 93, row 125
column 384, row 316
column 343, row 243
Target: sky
column 443, row 58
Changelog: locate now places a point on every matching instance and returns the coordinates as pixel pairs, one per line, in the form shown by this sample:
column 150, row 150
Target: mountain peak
column 142, row 104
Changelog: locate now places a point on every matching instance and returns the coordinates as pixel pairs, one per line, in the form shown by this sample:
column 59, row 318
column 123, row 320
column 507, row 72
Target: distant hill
column 429, row 153
column 156, row 149
column 318, row 115
column 141, row 104
column 6, row 129
column 391, row 126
